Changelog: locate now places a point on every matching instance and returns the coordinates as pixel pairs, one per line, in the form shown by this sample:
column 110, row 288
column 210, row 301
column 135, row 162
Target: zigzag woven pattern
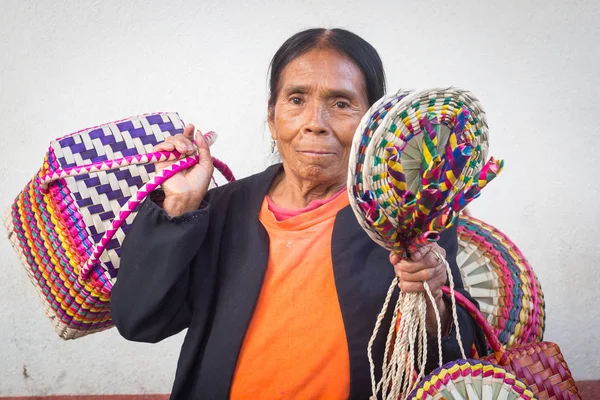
column 498, row 276
column 68, row 223
column 471, row 379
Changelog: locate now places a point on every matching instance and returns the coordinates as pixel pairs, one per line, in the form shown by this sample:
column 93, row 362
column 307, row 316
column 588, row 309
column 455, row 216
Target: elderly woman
column 277, row 284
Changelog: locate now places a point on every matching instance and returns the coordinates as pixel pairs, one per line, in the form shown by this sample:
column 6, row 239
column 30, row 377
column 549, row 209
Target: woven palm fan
column 472, row 380
column 441, row 135
column 412, row 154
column 498, row 276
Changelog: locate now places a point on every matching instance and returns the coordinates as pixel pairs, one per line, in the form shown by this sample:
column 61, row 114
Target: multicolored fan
column 417, row 160
column 498, row 276
column 471, row 379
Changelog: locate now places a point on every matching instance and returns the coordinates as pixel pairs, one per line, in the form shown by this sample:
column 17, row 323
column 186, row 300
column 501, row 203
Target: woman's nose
column 317, row 119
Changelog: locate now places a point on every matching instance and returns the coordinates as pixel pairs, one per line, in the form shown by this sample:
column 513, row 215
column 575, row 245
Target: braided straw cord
column 398, row 375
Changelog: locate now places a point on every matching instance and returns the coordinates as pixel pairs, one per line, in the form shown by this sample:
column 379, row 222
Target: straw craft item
column 498, row 276
column 68, row 223
column 471, row 379
column 541, row 366
column 417, row 159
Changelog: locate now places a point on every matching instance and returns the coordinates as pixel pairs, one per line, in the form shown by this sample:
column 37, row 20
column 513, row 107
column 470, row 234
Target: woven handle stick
column 480, row 319
column 223, row 169
column 128, row 208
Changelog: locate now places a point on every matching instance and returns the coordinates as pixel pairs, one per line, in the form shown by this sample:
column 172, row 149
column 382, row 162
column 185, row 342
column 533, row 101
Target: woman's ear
column 272, row 129
column 271, row 119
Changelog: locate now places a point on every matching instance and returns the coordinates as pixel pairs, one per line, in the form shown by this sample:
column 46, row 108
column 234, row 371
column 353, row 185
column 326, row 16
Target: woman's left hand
column 425, row 266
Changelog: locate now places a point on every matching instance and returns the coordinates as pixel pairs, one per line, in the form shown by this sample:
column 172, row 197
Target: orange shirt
column 295, row 346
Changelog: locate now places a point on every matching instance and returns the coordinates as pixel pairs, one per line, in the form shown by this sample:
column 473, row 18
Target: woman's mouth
column 316, row 153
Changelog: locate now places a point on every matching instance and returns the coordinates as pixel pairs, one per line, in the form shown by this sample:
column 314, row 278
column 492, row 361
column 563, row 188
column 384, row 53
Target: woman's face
column 320, row 102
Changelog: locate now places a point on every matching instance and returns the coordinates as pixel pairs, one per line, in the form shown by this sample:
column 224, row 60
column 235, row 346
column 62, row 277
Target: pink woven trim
column 130, row 206
column 155, row 157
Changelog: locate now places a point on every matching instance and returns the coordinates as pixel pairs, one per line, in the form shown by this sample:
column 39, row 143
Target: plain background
column 534, row 65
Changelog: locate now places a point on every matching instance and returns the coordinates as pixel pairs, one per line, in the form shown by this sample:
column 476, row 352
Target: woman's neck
column 294, row 194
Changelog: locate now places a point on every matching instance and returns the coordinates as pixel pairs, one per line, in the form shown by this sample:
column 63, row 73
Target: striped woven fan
column 498, row 276
column 471, row 380
column 68, row 223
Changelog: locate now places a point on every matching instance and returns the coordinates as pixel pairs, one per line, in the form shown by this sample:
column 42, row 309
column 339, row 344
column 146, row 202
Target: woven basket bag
column 541, row 366
column 498, row 276
column 68, row 224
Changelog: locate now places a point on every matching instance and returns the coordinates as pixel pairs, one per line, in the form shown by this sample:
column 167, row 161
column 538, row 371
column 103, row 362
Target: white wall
column 534, row 64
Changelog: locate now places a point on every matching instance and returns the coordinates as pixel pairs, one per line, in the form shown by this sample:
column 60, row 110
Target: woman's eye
column 342, row 104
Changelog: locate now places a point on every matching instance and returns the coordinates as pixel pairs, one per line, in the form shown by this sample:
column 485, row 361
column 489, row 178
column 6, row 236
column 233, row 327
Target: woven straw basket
column 541, row 366
column 68, row 223
column 498, row 276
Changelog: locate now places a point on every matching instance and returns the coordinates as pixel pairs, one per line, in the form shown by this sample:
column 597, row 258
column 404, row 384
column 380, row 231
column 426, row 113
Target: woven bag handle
column 481, row 321
column 128, row 208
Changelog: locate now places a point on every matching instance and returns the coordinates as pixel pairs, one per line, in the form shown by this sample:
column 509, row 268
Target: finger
column 433, row 274
column 183, row 144
column 440, row 250
column 395, row 258
column 421, row 276
column 410, row 266
column 188, row 132
column 431, row 259
column 427, row 249
column 164, row 146
column 203, row 150
column 411, row 287
column 421, row 252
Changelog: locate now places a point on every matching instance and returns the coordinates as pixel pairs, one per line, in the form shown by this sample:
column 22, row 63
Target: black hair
column 346, row 43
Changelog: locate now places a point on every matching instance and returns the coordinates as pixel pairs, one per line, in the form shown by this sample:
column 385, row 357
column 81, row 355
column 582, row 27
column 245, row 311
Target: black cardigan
column 204, row 270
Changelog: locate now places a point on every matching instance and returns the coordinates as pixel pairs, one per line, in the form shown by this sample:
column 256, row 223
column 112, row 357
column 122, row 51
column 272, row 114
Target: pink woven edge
column 154, row 157
column 485, row 325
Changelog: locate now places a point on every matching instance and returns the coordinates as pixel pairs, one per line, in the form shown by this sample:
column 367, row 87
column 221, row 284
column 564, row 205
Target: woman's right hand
column 185, row 190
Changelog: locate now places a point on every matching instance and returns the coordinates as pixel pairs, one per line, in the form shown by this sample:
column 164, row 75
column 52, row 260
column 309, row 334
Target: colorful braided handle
column 130, row 206
column 481, row 321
